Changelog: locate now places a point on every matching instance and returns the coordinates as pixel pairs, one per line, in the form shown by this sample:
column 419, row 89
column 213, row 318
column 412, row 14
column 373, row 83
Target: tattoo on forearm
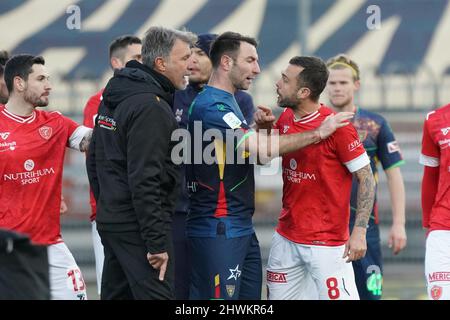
column 84, row 144
column 365, row 197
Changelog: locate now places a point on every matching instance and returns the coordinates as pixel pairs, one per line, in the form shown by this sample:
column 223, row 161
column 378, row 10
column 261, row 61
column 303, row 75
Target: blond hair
column 342, row 61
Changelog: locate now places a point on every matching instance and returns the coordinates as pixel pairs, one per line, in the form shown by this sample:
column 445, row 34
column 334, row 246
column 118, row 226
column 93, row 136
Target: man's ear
column 357, row 85
column 303, row 93
column 160, row 64
column 116, row 63
column 226, row 62
column 19, row 84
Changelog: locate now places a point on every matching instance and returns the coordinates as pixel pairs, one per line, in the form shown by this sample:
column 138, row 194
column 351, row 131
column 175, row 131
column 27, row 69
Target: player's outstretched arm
column 357, row 246
column 269, row 146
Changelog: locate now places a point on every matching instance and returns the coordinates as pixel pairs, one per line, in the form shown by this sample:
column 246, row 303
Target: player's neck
column 305, row 108
column 221, row 82
column 346, row 108
column 16, row 105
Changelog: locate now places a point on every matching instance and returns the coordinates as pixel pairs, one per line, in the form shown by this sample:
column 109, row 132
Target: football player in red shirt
column 312, row 239
column 32, row 148
column 435, row 156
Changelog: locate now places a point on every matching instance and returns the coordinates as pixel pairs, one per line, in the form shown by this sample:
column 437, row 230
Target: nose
column 192, row 62
column 256, row 69
column 277, row 84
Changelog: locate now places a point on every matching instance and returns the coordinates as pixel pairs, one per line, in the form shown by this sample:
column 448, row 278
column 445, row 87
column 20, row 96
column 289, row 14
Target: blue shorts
column 369, row 270
column 226, row 269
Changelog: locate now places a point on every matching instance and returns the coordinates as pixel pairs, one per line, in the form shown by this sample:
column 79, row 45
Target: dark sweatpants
column 127, row 274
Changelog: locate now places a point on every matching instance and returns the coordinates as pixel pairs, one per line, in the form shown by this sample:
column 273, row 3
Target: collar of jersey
column 17, row 118
column 308, row 118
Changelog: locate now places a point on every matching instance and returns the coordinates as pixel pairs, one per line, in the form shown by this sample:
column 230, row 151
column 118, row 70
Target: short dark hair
column 121, row 43
column 20, row 65
column 314, row 75
column 4, row 56
column 228, row 43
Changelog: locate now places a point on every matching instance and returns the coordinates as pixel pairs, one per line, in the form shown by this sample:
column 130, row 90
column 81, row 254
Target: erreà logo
column 445, row 131
column 4, row 135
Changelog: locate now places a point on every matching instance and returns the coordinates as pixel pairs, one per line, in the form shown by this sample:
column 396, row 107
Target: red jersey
column 317, row 182
column 436, row 153
column 31, row 165
column 89, row 115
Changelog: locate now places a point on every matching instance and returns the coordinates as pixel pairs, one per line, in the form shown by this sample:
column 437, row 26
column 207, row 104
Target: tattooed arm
column 84, row 144
column 365, row 197
column 356, row 247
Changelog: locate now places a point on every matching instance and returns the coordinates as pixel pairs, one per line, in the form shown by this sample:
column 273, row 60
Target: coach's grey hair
column 158, row 42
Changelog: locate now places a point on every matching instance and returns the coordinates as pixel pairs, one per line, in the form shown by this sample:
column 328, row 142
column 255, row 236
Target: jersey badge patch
column 436, row 292
column 393, row 147
column 232, row 121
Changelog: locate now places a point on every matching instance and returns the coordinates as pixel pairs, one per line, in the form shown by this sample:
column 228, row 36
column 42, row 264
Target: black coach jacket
column 129, row 166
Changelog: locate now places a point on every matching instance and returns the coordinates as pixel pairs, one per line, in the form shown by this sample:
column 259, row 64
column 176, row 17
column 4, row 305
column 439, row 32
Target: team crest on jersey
column 445, row 131
column 45, row 132
column 4, row 135
column 436, row 292
column 230, row 289
column 362, row 134
column 285, row 129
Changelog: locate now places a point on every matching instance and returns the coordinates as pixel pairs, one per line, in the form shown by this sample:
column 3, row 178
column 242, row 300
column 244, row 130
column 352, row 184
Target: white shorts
column 99, row 255
column 66, row 280
column 304, row 272
column 437, row 265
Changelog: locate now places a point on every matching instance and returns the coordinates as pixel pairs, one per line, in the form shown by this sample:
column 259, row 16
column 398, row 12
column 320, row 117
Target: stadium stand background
column 405, row 73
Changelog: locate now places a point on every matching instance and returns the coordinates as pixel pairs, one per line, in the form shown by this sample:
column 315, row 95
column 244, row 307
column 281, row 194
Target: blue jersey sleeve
column 233, row 129
column 245, row 102
column 223, row 117
column 388, row 151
